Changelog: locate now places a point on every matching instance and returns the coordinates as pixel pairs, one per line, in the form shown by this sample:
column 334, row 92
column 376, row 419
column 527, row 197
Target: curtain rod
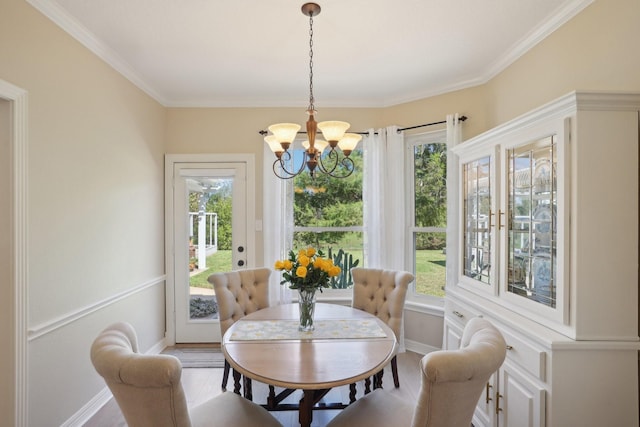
column 461, row 119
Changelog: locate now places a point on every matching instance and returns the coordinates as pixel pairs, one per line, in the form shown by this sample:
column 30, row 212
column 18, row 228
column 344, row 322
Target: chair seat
column 230, row 409
column 382, row 409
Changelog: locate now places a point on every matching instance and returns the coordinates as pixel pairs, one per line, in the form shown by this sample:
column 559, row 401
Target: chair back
column 239, row 293
column 453, row 380
column 381, row 293
column 146, row 387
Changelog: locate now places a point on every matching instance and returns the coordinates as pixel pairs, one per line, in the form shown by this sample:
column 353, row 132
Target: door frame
column 169, row 163
column 19, row 248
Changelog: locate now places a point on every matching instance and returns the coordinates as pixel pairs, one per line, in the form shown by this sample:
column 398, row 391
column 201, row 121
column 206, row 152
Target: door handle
column 240, row 263
column 241, row 249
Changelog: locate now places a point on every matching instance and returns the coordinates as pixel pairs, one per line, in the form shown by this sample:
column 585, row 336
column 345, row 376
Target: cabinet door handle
column 498, row 408
column 488, row 395
column 491, row 213
column 500, row 224
column 457, row 313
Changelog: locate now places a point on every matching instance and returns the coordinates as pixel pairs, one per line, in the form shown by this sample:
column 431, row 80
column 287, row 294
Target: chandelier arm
column 280, row 170
column 347, row 169
column 329, row 167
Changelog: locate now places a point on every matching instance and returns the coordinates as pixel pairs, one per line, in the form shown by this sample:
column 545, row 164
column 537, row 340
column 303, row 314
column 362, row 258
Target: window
column 427, row 198
column 327, row 214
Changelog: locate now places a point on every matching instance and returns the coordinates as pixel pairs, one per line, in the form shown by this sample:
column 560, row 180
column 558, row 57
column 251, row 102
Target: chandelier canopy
column 336, row 140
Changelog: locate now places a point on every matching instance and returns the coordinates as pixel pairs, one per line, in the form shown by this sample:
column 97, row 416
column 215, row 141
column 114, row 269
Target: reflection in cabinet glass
column 532, row 227
column 477, row 214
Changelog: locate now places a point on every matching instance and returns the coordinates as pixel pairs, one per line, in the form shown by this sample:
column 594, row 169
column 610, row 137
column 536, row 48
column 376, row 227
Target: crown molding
column 60, row 17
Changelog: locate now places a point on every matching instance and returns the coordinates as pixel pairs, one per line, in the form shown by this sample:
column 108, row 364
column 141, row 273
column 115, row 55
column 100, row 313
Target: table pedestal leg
column 305, row 414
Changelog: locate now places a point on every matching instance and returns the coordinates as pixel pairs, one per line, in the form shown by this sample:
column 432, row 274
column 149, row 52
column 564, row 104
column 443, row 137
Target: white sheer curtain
column 454, row 137
column 383, row 195
column 277, row 227
column 384, row 199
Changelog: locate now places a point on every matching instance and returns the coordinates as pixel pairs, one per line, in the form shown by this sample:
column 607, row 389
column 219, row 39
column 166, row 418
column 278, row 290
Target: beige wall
column 596, row 50
column 95, row 201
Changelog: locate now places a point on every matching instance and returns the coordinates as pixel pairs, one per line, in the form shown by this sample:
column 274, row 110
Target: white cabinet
column 548, row 250
column 514, row 395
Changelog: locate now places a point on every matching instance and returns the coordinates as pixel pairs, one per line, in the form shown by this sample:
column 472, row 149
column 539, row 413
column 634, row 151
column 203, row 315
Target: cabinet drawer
column 459, row 313
column 525, row 354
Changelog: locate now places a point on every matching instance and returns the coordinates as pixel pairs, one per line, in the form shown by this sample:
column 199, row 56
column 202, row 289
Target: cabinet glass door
column 532, row 221
column 477, row 220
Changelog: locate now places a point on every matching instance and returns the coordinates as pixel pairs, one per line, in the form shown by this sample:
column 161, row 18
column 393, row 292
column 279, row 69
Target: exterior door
column 209, row 235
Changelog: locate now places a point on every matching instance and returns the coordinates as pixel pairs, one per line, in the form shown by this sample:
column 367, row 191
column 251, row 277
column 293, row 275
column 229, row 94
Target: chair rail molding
column 51, row 325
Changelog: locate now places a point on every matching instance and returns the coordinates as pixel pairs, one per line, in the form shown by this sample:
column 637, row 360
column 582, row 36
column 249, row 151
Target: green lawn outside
column 218, row 262
column 430, row 271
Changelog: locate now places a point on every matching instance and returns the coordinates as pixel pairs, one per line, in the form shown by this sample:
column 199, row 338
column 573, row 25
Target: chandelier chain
column 311, row 98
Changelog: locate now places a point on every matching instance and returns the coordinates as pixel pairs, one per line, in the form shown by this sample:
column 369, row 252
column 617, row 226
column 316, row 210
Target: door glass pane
column 210, row 224
column 532, row 228
column 477, row 215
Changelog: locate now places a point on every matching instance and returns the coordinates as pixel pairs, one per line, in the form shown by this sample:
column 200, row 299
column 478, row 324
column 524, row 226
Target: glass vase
column 307, row 304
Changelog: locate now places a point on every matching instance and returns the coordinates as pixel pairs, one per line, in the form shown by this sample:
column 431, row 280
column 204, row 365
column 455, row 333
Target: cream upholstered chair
column 239, row 293
column 452, row 383
column 382, row 293
column 149, row 391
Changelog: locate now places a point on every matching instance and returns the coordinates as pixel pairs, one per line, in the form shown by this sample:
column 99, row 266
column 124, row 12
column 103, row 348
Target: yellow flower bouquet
column 307, row 271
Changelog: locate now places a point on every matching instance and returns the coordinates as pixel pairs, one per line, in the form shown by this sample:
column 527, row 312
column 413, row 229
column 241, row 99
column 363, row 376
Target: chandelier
column 336, row 161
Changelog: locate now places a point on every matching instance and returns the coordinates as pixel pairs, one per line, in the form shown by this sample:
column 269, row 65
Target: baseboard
column 85, row 413
column 419, row 347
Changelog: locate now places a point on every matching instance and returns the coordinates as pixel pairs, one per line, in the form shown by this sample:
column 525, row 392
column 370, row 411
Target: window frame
column 411, row 141
column 328, row 295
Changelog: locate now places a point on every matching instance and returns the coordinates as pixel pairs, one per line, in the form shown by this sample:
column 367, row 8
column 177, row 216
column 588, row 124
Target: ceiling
column 252, row 53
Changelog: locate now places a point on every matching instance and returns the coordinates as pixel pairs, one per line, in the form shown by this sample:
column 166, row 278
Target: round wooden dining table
column 348, row 345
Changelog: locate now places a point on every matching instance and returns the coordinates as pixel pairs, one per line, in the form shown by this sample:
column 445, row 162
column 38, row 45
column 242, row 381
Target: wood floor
column 201, row 384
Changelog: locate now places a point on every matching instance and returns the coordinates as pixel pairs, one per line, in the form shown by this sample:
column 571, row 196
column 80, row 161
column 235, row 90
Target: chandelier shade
column 319, row 145
column 333, row 131
column 335, row 161
column 349, row 142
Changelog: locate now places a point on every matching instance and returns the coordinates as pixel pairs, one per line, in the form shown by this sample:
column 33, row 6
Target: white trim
column 423, row 308
column 85, row 413
column 555, row 21
column 418, row 347
column 19, row 241
column 596, row 345
column 558, row 108
column 51, row 325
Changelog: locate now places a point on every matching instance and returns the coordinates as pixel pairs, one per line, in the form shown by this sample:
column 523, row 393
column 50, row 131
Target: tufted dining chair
column 451, row 385
column 148, row 388
column 382, row 293
column 239, row 293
